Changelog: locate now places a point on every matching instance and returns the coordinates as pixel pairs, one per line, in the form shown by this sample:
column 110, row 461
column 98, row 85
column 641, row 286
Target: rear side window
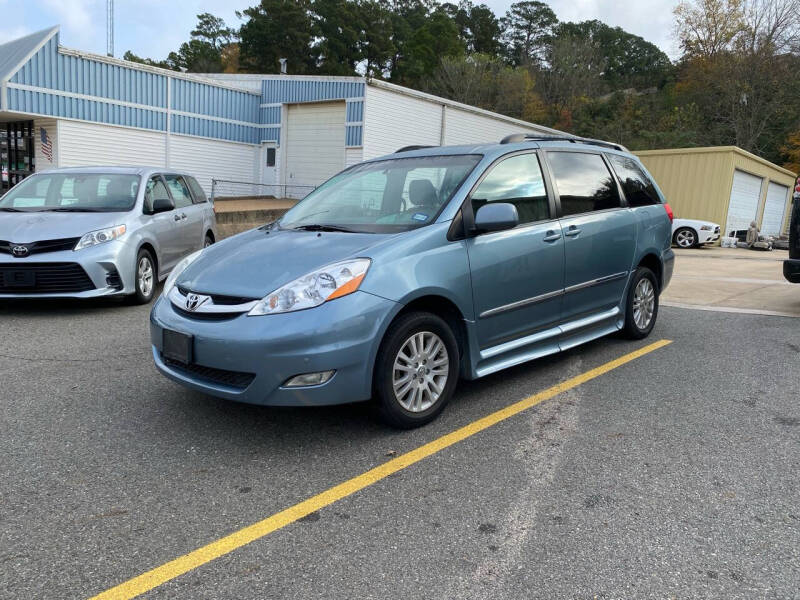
column 180, row 191
column 197, row 191
column 517, row 180
column 583, row 181
column 639, row 190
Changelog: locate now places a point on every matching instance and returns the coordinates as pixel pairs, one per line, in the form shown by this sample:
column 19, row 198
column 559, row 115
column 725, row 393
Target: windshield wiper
column 318, row 227
column 12, row 209
column 73, row 209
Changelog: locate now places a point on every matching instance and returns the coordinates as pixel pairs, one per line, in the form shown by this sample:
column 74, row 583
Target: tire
column 644, row 286
column 422, row 402
column 685, row 237
column 208, row 241
column 144, row 293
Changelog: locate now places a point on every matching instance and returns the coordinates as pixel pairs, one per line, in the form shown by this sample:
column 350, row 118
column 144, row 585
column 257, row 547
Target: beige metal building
column 723, row 184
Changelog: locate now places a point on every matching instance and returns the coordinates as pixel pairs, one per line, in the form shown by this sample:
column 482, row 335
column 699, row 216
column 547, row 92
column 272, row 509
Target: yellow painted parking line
column 196, row 558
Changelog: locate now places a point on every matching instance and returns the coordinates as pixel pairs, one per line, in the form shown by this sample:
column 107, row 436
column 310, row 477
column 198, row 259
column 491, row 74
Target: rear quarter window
column 639, row 189
column 197, row 191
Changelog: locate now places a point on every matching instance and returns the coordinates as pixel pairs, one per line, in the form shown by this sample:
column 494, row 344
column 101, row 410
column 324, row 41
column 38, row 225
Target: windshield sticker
column 420, row 217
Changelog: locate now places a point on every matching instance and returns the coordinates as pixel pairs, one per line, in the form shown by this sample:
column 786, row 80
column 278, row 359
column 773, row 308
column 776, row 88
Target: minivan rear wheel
column 144, row 277
column 416, row 370
column 642, row 304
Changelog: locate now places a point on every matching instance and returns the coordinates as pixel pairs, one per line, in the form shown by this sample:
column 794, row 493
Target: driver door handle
column 551, row 236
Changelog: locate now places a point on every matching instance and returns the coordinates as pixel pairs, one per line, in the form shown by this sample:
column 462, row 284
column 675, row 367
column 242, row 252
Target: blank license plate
column 12, row 278
column 177, row 346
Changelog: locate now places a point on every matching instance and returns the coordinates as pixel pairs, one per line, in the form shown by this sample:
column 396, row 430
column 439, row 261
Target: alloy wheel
column 420, row 371
column 685, row 238
column 644, row 303
column 144, row 273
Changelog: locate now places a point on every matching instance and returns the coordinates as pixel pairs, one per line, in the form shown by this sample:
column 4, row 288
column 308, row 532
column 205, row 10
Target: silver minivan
column 99, row 231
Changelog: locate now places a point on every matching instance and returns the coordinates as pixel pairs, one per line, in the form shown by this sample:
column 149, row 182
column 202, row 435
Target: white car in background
column 689, row 233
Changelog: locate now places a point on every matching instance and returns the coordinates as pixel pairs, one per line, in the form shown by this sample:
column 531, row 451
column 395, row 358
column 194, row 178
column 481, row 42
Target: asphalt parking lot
column 671, row 476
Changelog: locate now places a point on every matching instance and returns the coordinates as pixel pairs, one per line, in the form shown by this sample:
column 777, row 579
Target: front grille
column 716, row 229
column 43, row 278
column 218, row 298
column 234, row 379
column 40, row 246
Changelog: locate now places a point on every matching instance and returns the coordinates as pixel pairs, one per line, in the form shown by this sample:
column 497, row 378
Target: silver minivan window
column 392, row 195
column 73, row 192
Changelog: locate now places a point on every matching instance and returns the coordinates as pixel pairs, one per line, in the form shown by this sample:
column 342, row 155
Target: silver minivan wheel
column 420, row 371
column 644, row 303
column 144, row 275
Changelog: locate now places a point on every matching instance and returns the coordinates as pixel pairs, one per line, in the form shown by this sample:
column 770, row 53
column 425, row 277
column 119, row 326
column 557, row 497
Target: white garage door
column 774, row 208
column 315, row 142
column 743, row 206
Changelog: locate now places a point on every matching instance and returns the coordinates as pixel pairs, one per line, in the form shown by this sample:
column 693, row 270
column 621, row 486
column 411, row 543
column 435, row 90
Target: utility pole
column 110, row 28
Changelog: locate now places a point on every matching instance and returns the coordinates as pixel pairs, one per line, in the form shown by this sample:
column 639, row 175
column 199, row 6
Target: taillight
column 668, row 208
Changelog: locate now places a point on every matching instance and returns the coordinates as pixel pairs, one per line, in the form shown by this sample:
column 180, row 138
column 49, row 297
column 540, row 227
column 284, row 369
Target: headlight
column 179, row 268
column 706, row 227
column 101, row 236
column 333, row 281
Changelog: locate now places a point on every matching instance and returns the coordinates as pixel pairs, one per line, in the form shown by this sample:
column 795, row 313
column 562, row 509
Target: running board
column 539, row 350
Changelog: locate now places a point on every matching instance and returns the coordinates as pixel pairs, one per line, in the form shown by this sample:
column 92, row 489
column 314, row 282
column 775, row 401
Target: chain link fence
column 224, row 189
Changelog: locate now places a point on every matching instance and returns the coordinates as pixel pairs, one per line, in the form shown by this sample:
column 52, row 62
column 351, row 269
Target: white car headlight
column 178, row 269
column 308, row 291
column 706, row 227
column 101, row 236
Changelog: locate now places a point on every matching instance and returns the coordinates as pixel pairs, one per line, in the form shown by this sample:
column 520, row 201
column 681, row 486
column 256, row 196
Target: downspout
column 443, row 129
column 4, row 95
column 169, row 122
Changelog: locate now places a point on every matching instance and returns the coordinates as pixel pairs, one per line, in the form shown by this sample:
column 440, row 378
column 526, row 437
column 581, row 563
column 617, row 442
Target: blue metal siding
column 271, row 134
column 271, row 115
column 355, row 111
column 215, row 129
column 42, row 103
column 14, row 52
column 294, row 90
column 353, row 135
column 51, row 69
column 203, row 99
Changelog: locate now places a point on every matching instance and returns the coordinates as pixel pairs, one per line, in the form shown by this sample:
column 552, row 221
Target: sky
column 153, row 28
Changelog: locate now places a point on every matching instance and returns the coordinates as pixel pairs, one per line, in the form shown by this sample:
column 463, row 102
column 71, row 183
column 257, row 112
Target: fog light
column 309, row 379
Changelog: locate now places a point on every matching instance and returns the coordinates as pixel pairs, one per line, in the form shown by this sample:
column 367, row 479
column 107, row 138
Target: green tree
column 162, row 64
column 276, row 29
column 528, row 28
column 375, row 40
column 336, row 30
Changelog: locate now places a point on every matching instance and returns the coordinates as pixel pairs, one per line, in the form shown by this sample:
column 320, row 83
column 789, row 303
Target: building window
column 270, row 157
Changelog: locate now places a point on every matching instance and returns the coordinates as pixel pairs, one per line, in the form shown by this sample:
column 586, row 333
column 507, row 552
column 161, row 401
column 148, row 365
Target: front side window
column 639, row 190
column 155, row 190
column 583, row 181
column 73, row 192
column 392, row 195
column 517, row 180
column 180, row 191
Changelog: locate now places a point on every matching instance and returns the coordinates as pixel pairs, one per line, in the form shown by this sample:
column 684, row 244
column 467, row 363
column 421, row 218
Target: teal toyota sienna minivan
column 402, row 274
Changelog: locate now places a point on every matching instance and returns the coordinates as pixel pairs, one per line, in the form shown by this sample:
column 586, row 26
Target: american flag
column 47, row 145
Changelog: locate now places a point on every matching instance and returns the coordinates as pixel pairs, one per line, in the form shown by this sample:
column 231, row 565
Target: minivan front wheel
column 416, row 370
column 642, row 304
column 145, row 278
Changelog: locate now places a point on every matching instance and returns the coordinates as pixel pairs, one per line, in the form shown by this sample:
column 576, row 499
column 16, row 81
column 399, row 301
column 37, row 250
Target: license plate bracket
column 15, row 278
column 177, row 346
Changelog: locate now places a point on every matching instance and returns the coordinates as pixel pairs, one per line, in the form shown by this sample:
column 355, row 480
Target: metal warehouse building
column 61, row 107
column 725, row 185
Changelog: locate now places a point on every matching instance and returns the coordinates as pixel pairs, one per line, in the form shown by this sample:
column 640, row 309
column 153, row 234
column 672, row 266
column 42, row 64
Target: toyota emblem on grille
column 195, row 301
column 20, row 251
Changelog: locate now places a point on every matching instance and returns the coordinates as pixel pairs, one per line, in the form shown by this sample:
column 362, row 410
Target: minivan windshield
column 386, row 196
column 73, row 192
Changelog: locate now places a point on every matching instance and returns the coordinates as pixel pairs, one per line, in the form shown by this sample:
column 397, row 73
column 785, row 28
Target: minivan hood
column 257, row 262
column 24, row 228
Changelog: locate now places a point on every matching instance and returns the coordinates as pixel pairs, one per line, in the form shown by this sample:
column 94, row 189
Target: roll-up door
column 774, row 208
column 315, row 142
column 743, row 206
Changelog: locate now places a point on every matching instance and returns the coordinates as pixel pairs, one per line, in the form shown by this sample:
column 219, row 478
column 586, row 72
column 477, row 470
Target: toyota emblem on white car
column 19, row 251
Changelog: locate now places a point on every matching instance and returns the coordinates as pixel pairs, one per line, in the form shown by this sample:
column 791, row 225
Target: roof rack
column 410, row 148
column 516, row 138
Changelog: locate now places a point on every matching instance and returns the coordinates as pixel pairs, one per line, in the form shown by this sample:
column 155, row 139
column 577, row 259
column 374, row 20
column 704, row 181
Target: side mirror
column 162, row 205
column 497, row 216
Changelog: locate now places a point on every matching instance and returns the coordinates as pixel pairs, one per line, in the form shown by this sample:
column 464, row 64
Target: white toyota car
column 689, row 233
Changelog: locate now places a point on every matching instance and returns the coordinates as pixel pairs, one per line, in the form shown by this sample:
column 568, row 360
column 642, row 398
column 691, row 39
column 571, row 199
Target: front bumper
column 108, row 271
column 791, row 270
column 707, row 236
column 248, row 359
